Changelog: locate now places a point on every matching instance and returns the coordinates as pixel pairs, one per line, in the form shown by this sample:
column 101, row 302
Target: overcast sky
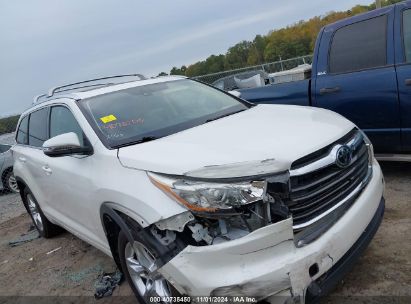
column 45, row 43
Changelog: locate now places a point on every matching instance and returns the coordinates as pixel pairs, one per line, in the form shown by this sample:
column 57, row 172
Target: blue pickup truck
column 362, row 70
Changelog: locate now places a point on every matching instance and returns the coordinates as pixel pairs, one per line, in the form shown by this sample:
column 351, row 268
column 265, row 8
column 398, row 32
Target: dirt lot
column 384, row 270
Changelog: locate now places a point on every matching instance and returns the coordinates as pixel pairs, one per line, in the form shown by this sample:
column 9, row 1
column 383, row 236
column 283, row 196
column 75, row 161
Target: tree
column 8, row 124
column 237, row 55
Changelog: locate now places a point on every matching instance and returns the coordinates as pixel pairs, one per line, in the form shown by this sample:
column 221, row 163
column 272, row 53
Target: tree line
column 8, row 124
column 295, row 40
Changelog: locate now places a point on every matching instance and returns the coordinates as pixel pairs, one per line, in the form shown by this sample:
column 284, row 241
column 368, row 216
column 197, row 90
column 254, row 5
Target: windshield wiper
column 139, row 141
column 225, row 115
column 146, row 139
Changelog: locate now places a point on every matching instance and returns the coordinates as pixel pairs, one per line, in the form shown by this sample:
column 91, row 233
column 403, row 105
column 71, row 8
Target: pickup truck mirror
column 235, row 93
column 64, row 145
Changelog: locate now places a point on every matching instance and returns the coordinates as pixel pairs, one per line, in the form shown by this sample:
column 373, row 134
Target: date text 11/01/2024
column 185, row 299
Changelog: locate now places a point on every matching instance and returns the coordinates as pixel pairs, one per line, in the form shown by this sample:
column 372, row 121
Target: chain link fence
column 225, row 80
column 7, row 129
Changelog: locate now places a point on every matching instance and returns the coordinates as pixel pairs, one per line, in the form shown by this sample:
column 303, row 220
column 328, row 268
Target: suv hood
column 264, row 139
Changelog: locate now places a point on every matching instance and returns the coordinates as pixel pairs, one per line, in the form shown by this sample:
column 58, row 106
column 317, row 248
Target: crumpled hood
column 263, row 139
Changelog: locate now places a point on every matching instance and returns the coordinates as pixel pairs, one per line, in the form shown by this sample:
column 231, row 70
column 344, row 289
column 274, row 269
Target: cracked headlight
column 199, row 196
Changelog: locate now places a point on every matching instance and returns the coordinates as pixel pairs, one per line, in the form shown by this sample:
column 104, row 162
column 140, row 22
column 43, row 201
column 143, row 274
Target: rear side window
column 359, row 46
column 4, row 148
column 62, row 121
column 406, row 26
column 38, row 128
column 22, row 133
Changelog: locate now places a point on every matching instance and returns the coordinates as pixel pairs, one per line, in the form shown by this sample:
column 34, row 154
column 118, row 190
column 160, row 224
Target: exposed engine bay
column 209, row 228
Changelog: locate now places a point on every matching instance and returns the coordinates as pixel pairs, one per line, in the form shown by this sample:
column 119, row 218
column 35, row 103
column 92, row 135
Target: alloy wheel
column 141, row 265
column 34, row 212
column 12, row 183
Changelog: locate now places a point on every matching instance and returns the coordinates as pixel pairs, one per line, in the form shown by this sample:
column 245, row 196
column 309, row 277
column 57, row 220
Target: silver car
column 8, row 182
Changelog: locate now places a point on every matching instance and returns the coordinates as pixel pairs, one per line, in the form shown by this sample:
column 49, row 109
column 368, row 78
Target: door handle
column 22, row 159
column 408, row 82
column 47, row 169
column 329, row 90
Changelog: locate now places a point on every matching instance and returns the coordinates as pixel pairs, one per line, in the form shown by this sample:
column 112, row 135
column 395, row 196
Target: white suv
column 196, row 192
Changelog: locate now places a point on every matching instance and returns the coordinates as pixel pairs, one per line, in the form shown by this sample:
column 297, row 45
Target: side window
column 62, row 121
column 22, row 133
column 38, row 127
column 359, row 46
column 406, row 27
column 4, row 148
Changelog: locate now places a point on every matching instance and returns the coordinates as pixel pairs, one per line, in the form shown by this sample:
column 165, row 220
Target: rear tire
column 45, row 228
column 10, row 182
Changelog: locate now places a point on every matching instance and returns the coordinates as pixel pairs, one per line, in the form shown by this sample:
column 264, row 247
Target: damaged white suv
column 197, row 193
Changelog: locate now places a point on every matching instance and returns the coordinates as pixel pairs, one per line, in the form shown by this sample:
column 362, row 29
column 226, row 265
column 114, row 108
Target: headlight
column 369, row 147
column 201, row 196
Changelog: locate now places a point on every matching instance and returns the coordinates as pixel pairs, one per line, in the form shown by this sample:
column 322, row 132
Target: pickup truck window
column 359, row 46
column 406, row 25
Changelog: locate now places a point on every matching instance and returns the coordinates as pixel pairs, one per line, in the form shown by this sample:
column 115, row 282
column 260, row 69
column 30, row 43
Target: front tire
column 45, row 228
column 138, row 262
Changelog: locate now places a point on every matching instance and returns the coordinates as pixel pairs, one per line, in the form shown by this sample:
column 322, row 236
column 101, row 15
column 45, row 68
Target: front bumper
column 266, row 261
column 331, row 278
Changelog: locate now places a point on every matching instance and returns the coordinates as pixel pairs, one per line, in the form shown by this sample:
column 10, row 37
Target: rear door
column 2, row 157
column 29, row 156
column 356, row 76
column 403, row 64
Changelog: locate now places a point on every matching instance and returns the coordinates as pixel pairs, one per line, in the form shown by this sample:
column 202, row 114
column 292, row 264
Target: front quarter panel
column 131, row 192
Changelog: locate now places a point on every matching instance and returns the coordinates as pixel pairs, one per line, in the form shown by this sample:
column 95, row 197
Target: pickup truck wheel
column 45, row 228
column 138, row 262
column 10, row 182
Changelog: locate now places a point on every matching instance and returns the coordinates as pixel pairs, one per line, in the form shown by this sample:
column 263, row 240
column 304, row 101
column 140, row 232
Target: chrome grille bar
column 318, row 186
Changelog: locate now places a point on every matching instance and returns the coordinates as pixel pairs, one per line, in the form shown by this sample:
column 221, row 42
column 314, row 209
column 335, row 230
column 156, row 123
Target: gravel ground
column 10, row 206
column 382, row 275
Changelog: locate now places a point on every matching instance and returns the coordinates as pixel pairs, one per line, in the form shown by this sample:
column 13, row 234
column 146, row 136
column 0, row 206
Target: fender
column 106, row 210
column 166, row 252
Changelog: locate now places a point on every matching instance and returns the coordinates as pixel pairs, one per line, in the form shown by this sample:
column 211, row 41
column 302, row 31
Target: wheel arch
column 114, row 221
column 22, row 185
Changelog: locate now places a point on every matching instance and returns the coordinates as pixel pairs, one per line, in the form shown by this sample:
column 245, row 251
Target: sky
column 45, row 43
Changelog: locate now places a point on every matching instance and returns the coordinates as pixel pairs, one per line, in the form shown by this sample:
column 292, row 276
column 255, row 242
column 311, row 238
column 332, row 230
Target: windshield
column 152, row 111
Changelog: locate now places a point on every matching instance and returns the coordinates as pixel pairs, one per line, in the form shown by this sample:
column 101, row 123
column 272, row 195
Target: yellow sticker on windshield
column 109, row 118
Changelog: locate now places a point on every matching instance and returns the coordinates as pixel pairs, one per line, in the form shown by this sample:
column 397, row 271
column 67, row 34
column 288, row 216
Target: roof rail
column 54, row 90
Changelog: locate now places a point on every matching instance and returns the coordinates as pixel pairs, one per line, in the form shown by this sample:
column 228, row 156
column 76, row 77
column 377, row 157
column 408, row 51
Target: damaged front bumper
column 267, row 262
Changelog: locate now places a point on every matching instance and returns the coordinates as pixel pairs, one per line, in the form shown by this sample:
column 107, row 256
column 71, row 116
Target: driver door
column 70, row 179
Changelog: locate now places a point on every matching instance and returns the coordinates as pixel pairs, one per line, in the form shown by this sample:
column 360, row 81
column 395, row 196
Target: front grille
column 318, row 184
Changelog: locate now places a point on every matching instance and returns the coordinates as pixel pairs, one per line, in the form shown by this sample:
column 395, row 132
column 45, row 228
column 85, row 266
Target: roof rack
column 58, row 89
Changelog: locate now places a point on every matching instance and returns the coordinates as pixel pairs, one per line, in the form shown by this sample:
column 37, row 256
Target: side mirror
column 65, row 144
column 235, row 93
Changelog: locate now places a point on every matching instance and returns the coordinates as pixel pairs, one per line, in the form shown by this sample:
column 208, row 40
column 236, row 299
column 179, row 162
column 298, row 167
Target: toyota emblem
column 343, row 157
